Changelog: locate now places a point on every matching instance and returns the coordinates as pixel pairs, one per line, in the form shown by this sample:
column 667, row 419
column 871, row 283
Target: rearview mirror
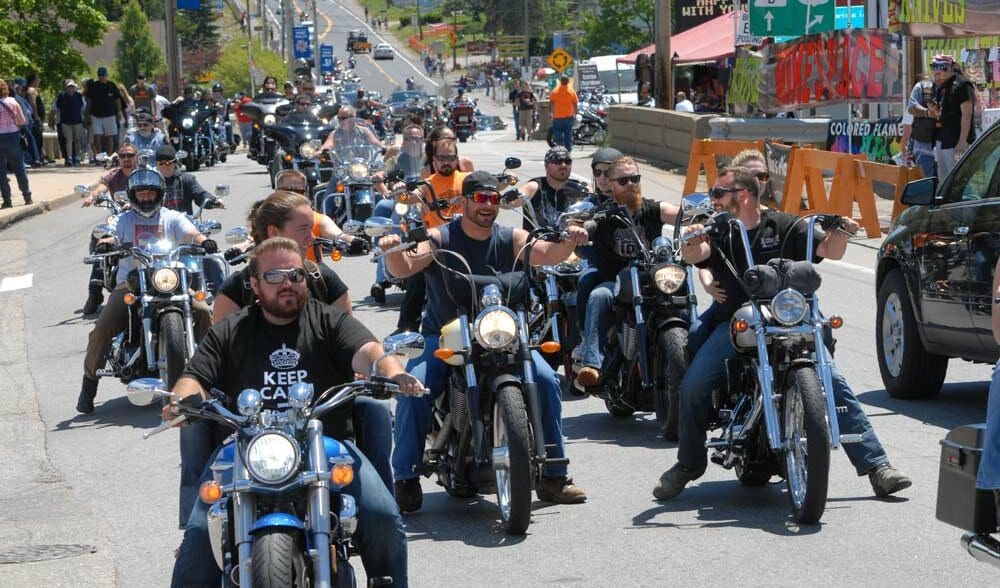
column 378, row 226
column 696, row 202
column 407, row 344
column 920, row 192
column 579, row 211
column 143, row 392
column 512, row 163
column 354, row 227
column 236, row 235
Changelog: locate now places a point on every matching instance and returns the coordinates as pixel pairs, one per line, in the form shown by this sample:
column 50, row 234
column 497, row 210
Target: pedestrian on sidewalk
column 104, row 104
column 68, row 110
column 564, row 102
column 526, row 104
column 921, row 145
column 11, row 121
column 512, row 98
column 38, row 105
column 32, row 156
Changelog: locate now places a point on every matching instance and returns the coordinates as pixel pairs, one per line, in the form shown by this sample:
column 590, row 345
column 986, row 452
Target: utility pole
column 454, row 40
column 527, row 46
column 315, row 45
column 288, row 39
column 420, row 27
column 251, row 85
column 173, row 51
column 663, row 76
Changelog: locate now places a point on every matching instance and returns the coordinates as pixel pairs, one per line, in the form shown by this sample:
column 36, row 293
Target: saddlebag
column 959, row 503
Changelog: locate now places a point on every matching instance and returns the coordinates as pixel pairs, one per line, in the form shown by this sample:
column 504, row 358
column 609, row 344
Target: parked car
column 383, row 51
column 935, row 274
column 489, row 122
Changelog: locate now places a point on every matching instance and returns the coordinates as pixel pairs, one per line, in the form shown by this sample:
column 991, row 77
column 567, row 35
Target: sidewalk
column 51, row 187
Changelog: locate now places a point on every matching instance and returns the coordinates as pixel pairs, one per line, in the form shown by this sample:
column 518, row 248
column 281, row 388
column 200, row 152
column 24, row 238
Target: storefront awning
column 710, row 41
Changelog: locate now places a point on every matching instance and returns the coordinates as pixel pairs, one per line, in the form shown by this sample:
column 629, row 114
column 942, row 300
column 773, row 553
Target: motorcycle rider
column 146, row 135
column 222, row 104
column 548, row 196
column 600, row 165
column 146, row 220
column 614, row 246
column 736, row 192
column 348, row 132
column 182, row 190
column 330, row 347
column 483, row 243
column 291, row 180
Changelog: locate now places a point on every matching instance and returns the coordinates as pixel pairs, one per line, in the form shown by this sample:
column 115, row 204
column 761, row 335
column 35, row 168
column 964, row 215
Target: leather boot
column 88, row 391
column 94, row 299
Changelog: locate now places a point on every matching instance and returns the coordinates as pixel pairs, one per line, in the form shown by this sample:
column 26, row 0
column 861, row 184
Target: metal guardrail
column 785, row 130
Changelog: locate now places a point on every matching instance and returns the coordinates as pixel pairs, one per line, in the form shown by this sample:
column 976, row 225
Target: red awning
column 708, row 41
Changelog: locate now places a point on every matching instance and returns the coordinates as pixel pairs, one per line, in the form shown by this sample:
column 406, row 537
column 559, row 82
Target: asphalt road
column 716, row 531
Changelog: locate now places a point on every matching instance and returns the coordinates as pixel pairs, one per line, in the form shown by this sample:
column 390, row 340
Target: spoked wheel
column 805, row 436
column 512, row 460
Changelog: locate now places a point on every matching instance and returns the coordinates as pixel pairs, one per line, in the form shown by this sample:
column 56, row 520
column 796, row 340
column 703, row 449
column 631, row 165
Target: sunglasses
column 602, row 172
column 414, row 139
column 126, row 156
column 625, row 180
column 345, row 117
column 562, row 161
column 165, row 163
column 304, row 103
column 763, row 176
column 717, row 193
column 295, row 275
column 941, row 66
column 446, row 158
column 485, row 197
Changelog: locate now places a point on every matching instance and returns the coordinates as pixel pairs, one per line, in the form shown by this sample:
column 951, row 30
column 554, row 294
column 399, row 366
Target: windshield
column 347, row 151
column 406, row 96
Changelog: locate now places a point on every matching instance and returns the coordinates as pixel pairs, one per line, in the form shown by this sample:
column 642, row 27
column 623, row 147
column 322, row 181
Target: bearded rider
column 548, row 196
column 145, row 222
column 484, row 244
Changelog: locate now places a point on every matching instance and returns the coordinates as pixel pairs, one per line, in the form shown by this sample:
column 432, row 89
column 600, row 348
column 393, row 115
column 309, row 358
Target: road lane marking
column 16, row 283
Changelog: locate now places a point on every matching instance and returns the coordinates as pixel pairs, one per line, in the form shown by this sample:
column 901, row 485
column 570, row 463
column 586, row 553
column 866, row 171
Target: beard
column 284, row 307
column 632, row 200
column 483, row 218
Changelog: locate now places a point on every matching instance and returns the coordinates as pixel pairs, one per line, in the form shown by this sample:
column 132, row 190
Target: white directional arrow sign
column 774, row 18
column 770, row 20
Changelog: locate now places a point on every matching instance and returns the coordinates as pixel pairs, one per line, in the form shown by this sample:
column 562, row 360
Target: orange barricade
column 703, row 152
column 869, row 172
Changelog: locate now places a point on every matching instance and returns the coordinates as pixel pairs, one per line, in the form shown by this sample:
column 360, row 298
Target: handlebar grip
column 383, row 388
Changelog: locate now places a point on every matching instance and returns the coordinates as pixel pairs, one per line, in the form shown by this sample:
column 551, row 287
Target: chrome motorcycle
column 297, row 142
column 117, row 204
column 350, row 193
column 191, row 132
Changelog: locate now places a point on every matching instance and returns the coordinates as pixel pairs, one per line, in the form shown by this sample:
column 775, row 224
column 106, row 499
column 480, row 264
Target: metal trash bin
column 959, row 503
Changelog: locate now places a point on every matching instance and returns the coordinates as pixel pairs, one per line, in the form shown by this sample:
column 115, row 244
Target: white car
column 383, row 51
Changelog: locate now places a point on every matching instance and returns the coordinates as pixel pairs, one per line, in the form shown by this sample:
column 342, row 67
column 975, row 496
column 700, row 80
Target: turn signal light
column 200, row 295
column 444, row 353
column 288, row 157
column 741, row 326
column 210, row 492
column 836, row 322
column 342, row 474
column 336, row 255
column 129, row 298
column 340, row 187
column 550, row 347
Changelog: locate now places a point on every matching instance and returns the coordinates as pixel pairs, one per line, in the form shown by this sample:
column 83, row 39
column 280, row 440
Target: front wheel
column 673, row 363
column 191, row 163
column 512, row 460
column 805, row 436
column 278, row 560
column 171, row 348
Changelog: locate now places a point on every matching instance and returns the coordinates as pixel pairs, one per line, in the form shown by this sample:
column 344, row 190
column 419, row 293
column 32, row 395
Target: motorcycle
column 263, row 112
column 590, row 127
column 350, row 194
column 279, row 514
column 117, row 204
column 297, row 141
column 191, row 132
column 462, row 120
column 776, row 408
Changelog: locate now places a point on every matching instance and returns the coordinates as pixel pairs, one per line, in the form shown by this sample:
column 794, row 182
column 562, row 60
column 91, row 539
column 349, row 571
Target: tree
column 136, row 51
column 615, row 26
column 38, row 35
column 154, row 9
column 199, row 34
column 112, row 9
column 233, row 69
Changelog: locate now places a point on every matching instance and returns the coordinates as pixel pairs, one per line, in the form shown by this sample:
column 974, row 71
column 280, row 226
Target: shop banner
column 944, row 18
column 744, row 82
column 691, row 13
column 856, row 65
column 877, row 139
column 777, row 156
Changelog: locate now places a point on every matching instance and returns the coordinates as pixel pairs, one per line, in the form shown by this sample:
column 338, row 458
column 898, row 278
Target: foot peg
column 851, row 438
column 104, row 373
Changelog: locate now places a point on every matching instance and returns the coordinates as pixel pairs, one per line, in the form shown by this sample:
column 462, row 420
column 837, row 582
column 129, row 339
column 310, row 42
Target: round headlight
column 359, row 171
column 789, row 307
column 269, row 120
column 310, row 148
column 187, row 123
column 401, row 208
column 495, row 328
column 669, row 278
column 272, row 458
column 166, row 280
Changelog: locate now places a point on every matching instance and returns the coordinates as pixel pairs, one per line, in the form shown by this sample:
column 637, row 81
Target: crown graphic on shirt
column 285, row 358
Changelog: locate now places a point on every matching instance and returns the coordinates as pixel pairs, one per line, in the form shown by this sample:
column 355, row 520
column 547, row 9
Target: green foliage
column 614, row 25
column 405, row 21
column 112, row 9
column 233, row 70
column 37, row 35
column 154, row 9
column 431, row 18
column 136, row 51
column 199, row 34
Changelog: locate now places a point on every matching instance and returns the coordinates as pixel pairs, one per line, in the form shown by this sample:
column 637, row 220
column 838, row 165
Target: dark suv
column 935, row 274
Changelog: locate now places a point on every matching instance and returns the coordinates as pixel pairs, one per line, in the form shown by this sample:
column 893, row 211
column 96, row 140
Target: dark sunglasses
column 304, row 103
column 295, row 275
column 414, row 139
column 485, row 197
column 446, row 158
column 602, row 172
column 940, row 66
column 624, row 180
column 562, row 161
column 717, row 193
column 126, row 155
column 763, row 176
column 345, row 117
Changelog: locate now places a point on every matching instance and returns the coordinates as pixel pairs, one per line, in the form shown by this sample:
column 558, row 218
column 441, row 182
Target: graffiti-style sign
column 878, row 139
column 744, row 82
column 944, row 18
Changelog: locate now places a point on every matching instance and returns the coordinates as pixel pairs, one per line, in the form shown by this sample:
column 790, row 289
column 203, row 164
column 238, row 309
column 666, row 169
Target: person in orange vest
column 563, row 100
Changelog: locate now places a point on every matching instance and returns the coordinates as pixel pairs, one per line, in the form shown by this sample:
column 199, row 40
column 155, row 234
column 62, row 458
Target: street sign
column 590, row 78
column 300, row 41
column 326, row 59
column 559, row 60
column 791, row 17
column 842, row 17
column 512, row 46
column 743, row 36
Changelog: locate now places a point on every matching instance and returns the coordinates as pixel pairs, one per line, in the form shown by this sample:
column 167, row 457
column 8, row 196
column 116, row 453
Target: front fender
column 277, row 520
column 500, row 380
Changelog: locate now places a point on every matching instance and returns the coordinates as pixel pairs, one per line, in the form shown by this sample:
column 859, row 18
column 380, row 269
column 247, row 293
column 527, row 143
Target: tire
column 191, row 164
column 277, row 559
column 807, row 463
column 171, row 347
column 273, row 171
column 907, row 369
column 513, row 483
column 673, row 361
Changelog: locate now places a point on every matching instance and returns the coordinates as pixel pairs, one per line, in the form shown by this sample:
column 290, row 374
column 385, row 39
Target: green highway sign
column 769, row 18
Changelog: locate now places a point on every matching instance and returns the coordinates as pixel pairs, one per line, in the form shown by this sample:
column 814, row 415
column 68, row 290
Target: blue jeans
column 701, row 328
column 11, row 153
column 927, row 163
column 596, row 323
column 589, row 279
column 380, row 537
column 413, row 414
column 989, row 467
column 383, row 208
column 562, row 132
column 517, row 126
column 707, row 371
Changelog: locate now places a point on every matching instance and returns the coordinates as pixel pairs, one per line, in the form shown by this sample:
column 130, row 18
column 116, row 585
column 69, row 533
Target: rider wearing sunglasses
column 548, row 196
column 146, row 136
column 485, row 245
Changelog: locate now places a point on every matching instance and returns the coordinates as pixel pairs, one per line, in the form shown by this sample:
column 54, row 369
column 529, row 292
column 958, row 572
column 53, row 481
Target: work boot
column 378, row 293
column 409, row 495
column 888, row 480
column 27, row 200
column 88, row 391
column 560, row 490
column 7, row 204
column 588, row 377
column 94, row 299
column 673, row 481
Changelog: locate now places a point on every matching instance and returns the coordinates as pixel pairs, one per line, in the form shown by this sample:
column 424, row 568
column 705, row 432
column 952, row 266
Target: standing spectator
column 104, row 105
column 921, row 145
column 682, row 104
column 953, row 105
column 128, row 109
column 69, row 117
column 143, row 96
column 526, row 104
column 161, row 103
column 31, row 153
column 244, row 121
column 38, row 104
column 512, row 98
column 11, row 121
column 564, row 102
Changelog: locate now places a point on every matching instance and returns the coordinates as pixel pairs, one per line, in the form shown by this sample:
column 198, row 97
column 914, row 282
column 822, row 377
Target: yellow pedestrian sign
column 559, row 60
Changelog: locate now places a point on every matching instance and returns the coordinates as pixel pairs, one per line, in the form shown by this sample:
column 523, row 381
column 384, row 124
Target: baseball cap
column 140, row 76
column 102, row 71
column 19, row 81
column 166, row 153
column 943, row 58
column 557, row 153
column 479, row 181
column 70, row 82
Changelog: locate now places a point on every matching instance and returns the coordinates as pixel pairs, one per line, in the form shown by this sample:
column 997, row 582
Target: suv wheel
column 908, row 370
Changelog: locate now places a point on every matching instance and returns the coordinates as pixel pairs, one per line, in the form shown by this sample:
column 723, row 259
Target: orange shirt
column 446, row 188
column 317, row 231
column 563, row 100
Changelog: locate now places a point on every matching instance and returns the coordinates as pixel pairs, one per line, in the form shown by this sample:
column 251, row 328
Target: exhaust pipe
column 982, row 547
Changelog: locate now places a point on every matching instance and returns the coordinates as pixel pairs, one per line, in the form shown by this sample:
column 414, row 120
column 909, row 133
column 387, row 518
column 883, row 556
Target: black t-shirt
column 513, row 95
column 548, row 203
column 951, row 96
column 767, row 241
column 103, row 99
column 244, row 350
column 526, row 100
column 615, row 244
column 182, row 192
column 237, row 286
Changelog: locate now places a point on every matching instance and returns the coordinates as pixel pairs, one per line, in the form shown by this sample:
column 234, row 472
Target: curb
column 36, row 209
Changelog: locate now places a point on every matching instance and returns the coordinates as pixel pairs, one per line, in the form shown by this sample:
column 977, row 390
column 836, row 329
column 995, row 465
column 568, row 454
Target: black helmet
column 145, row 178
column 604, row 155
column 217, row 88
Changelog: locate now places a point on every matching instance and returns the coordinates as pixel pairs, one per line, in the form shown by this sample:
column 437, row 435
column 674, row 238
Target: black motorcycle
column 297, row 141
column 263, row 112
column 191, row 131
column 590, row 127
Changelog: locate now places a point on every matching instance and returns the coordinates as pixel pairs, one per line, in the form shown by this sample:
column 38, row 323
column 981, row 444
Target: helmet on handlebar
column 146, row 178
